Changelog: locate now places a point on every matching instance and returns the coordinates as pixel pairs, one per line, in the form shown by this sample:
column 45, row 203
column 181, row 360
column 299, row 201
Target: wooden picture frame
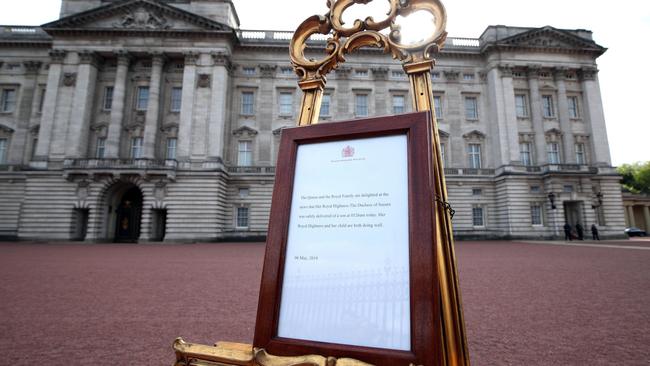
column 423, row 306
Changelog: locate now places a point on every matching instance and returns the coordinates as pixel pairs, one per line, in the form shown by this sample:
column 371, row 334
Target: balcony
column 143, row 167
column 568, row 168
column 469, row 172
column 251, row 169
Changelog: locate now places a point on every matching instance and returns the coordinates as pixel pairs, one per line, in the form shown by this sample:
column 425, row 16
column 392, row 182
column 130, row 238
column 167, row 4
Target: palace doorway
column 123, row 213
column 573, row 213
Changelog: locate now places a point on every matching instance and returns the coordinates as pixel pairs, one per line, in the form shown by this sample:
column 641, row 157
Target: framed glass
column 350, row 266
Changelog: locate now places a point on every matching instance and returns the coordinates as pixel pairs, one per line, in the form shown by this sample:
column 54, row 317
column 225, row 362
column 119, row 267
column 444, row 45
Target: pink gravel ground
column 525, row 304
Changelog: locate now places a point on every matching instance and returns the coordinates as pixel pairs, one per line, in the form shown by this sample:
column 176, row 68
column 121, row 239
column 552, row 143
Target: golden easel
column 417, row 60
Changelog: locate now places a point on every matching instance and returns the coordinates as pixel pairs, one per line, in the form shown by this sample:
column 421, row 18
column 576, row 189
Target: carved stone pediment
column 474, row 135
column 443, row 134
column 550, row 38
column 135, row 15
column 244, row 131
column 6, row 129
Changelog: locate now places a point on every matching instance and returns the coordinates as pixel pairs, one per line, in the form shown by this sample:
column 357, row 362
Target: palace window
column 245, row 153
column 32, row 153
column 573, row 107
column 100, row 150
column 478, row 218
column 397, row 74
column 477, row 192
column 8, row 100
column 474, row 155
column 244, row 192
column 521, row 105
column 443, row 156
column 437, row 106
column 136, row 148
column 547, row 106
column 535, row 189
column 525, row 153
column 286, row 71
column 325, row 105
column 580, row 154
column 248, row 70
column 171, row 148
column 247, row 103
column 286, row 104
column 398, row 104
column 107, row 104
column 468, row 76
column 241, row 221
column 435, row 75
column 536, row 214
column 361, row 106
column 3, row 151
column 142, row 98
column 361, row 73
column 471, row 108
column 176, row 99
column 41, row 100
column 553, row 152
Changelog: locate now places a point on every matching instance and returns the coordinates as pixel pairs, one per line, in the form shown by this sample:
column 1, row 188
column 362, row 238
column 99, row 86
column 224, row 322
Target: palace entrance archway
column 124, row 216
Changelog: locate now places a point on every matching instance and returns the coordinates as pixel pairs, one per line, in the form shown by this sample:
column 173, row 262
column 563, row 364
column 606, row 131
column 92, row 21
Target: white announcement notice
column 346, row 276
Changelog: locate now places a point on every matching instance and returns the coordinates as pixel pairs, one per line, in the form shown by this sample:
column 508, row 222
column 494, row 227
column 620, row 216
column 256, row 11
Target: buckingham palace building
column 143, row 120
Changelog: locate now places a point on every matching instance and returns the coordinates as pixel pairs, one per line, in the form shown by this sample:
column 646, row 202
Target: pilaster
column 49, row 105
column 536, row 115
column 187, row 107
column 630, row 215
column 646, row 217
column 114, row 137
column 502, row 97
column 563, row 112
column 218, row 106
column 153, row 106
column 82, row 104
column 593, row 107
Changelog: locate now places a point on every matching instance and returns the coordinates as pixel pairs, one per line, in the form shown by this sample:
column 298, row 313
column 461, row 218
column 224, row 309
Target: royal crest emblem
column 347, row 152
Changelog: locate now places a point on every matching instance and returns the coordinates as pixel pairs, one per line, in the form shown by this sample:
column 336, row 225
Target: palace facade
column 143, row 120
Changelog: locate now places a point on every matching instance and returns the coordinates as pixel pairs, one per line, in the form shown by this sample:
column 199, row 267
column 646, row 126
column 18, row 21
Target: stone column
column 646, row 216
column 536, row 115
column 563, row 112
column 114, row 137
column 218, row 107
column 153, row 107
column 630, row 215
column 502, row 96
column 593, row 110
column 82, row 106
column 49, row 105
column 187, row 107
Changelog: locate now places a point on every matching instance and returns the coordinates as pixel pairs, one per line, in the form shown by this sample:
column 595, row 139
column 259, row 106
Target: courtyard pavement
column 535, row 303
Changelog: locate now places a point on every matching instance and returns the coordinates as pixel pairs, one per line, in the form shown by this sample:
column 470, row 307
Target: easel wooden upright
column 417, row 60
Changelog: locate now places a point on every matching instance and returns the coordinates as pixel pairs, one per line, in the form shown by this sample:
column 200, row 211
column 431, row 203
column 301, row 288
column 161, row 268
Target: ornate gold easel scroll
column 417, row 60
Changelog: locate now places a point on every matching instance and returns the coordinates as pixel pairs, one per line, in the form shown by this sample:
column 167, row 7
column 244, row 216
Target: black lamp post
column 551, row 198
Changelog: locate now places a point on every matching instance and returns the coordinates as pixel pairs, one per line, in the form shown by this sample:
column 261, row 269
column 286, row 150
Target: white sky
column 622, row 26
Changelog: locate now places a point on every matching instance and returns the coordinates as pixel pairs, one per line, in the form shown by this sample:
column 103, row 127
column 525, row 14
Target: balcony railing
column 468, row 171
column 251, row 169
column 120, row 164
column 568, row 168
column 285, row 36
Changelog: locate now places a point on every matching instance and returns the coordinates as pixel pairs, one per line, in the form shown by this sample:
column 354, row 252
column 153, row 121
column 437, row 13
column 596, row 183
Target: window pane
column 3, row 151
column 286, row 104
column 8, row 100
column 580, row 154
column 177, row 95
column 521, row 105
column 524, row 153
column 108, row 98
column 101, row 148
column 143, row 98
column 398, row 104
column 361, row 105
column 136, row 148
column 553, row 153
column 536, row 214
column 245, row 153
column 471, row 108
column 41, row 102
column 242, row 216
column 437, row 106
column 171, row 148
column 477, row 216
column 573, row 107
column 474, row 154
column 442, row 153
column 547, row 106
column 247, row 105
column 325, row 105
